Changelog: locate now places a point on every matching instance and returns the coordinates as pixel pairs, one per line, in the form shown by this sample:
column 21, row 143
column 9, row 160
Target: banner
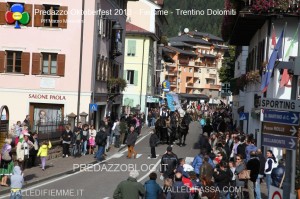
column 173, row 101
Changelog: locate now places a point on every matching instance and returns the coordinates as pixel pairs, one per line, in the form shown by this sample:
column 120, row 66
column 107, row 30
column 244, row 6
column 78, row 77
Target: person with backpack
column 101, row 142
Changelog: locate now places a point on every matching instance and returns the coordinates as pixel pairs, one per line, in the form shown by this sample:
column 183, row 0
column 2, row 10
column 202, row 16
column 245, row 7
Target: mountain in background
column 203, row 23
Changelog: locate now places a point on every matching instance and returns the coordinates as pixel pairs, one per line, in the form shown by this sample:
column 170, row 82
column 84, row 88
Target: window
column 49, row 64
column 130, row 76
column 52, row 16
column 208, row 70
column 190, row 70
column 131, row 49
column 199, row 81
column 51, row 19
column 199, row 71
column 13, row 61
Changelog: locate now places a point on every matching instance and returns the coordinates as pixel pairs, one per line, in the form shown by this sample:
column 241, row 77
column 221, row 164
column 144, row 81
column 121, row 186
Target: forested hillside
column 210, row 24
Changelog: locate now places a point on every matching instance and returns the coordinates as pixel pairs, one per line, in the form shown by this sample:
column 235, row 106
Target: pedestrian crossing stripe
column 149, row 157
column 117, row 155
column 138, row 155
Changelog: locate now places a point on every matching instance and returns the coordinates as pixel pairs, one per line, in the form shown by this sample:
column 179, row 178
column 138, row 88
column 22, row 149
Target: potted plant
column 252, row 77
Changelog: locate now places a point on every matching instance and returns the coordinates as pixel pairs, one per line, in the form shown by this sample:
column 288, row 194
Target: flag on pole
column 285, row 78
column 276, row 54
column 273, row 37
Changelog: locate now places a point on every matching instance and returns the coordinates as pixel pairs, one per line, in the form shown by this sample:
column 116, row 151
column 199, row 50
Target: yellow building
column 138, row 66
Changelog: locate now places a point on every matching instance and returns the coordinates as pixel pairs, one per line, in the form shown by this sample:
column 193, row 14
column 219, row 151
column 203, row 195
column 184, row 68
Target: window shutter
column 28, row 8
column 25, row 62
column 131, row 47
column 125, row 75
column 135, row 78
column 3, row 7
column 38, row 16
column 63, row 18
column 61, row 58
column 2, row 61
column 36, row 64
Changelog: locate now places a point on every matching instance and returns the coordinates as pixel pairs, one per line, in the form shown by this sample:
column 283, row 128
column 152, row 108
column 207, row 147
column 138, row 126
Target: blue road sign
column 279, row 141
column 290, row 118
column 244, row 116
column 93, row 107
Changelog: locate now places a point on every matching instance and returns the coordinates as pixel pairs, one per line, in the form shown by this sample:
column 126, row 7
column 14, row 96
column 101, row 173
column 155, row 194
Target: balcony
column 184, row 61
column 191, row 63
column 199, row 64
column 212, row 76
column 212, row 86
column 189, row 84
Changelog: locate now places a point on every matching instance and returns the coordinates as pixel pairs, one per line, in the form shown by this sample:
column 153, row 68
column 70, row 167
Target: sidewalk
column 61, row 166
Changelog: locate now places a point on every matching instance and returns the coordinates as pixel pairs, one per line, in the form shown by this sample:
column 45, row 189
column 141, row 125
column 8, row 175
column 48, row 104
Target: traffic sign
column 280, row 104
column 275, row 193
column 279, row 141
column 244, row 116
column 290, row 118
column 93, row 107
column 279, row 129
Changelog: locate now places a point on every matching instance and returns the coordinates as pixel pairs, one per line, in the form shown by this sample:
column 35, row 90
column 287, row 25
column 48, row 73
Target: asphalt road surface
column 100, row 180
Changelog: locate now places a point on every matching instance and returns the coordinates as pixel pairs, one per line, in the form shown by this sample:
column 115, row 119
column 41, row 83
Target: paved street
column 100, row 180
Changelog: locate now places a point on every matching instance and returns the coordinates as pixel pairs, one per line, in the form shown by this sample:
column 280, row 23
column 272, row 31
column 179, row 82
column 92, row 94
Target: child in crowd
column 43, row 152
column 17, row 182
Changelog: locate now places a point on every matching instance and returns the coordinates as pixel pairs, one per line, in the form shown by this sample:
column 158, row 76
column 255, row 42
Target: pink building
column 40, row 62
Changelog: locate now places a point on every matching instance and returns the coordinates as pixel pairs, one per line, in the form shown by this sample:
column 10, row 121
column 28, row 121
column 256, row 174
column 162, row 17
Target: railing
column 49, row 130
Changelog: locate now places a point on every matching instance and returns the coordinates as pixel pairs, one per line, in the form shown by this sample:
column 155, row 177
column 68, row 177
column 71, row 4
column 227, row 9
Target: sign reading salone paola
column 17, row 16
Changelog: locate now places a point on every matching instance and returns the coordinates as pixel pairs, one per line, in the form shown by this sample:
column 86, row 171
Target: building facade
column 48, row 69
column 195, row 60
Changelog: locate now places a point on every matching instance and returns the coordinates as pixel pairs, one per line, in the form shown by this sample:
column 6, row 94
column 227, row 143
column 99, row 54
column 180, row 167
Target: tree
column 226, row 72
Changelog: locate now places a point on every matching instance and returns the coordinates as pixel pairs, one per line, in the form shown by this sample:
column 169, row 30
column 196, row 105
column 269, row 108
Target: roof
column 167, row 50
column 181, row 51
column 221, row 47
column 204, row 34
column 133, row 29
column 180, row 43
column 189, row 39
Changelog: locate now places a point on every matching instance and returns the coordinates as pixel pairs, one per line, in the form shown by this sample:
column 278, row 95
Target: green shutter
column 135, row 80
column 131, row 48
column 125, row 74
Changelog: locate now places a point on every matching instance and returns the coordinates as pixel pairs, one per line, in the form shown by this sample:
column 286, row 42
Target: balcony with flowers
column 251, row 15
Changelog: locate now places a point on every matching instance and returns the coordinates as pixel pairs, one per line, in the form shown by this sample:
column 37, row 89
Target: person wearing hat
column 23, row 147
column 168, row 164
column 7, row 164
column 130, row 188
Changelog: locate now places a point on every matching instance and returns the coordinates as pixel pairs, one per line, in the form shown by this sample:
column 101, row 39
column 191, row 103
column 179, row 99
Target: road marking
column 138, row 155
column 69, row 175
column 117, row 155
column 149, row 157
column 152, row 170
column 106, row 198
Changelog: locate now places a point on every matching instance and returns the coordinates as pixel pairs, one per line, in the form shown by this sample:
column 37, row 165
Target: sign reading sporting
column 279, row 104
